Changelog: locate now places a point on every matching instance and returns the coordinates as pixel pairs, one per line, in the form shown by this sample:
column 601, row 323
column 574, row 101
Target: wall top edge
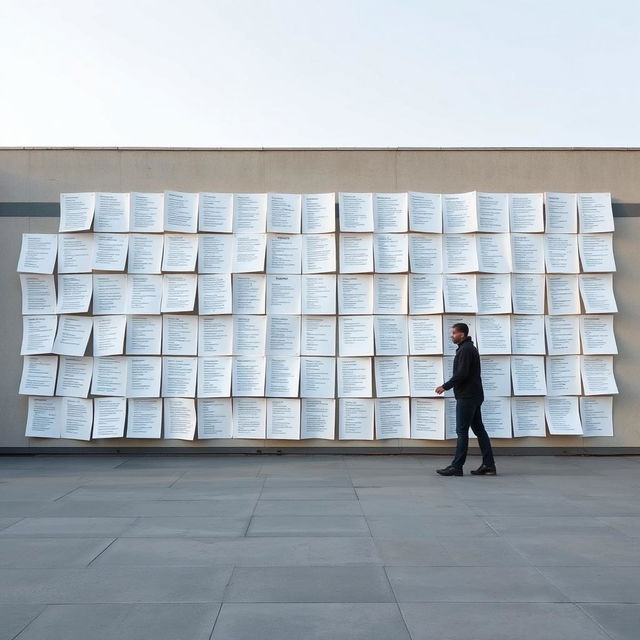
column 91, row 148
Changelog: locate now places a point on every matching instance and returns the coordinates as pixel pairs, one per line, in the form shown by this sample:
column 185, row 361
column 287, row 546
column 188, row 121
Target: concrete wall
column 35, row 176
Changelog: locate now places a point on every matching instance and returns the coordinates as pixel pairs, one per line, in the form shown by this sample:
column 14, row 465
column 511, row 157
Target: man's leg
column 464, row 415
column 483, row 438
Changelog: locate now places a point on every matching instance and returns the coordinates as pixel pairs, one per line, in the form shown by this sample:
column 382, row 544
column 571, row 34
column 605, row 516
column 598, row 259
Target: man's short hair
column 463, row 327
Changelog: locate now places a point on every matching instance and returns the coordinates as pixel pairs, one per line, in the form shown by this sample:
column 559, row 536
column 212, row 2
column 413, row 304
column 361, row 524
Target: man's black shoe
column 449, row 471
column 484, row 470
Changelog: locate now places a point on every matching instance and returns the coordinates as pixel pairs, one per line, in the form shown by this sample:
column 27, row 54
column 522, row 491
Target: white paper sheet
column 38, row 294
column 111, row 213
column 249, row 212
column 144, row 294
column 74, row 376
column 249, row 335
column 597, row 335
column 493, row 212
column 355, row 419
column 425, row 335
column 214, row 377
column 597, row 294
column 425, row 212
column 110, row 251
column 355, row 335
column 528, row 376
column 317, row 377
column 283, row 419
column 214, row 294
column 74, row 292
column 391, row 252
column 38, row 334
column 425, row 294
column 109, row 376
column 596, row 414
column 76, row 418
column 144, row 335
column 459, row 293
column 391, row 335
column 561, row 253
column 392, row 376
column 597, row 375
column 144, row 418
column 179, row 335
column 283, row 336
column 563, row 375
column 38, row 253
column 356, row 212
column 562, row 415
column 284, row 254
column 318, row 336
column 527, row 417
column 390, row 212
column 356, row 252
column 319, row 294
column 459, row 212
column 354, row 377
column 179, row 376
column 318, row 253
column 249, row 418
column 494, row 252
column 390, row 294
column 596, row 252
column 247, row 376
column 215, row 253
column 459, row 253
column 425, row 374
column 527, row 252
column 527, row 335
column 38, row 375
column 249, row 252
column 427, row 418
column 425, row 253
column 215, row 336
column 249, row 293
column 76, row 211
column 527, row 293
column 108, row 417
column 561, row 212
column 525, row 210
column 563, row 298
column 110, row 293
column 494, row 334
column 496, row 417
column 180, row 212
column 392, row 418
column 179, row 418
column 75, row 252
column 178, row 292
column 318, row 419
column 143, row 376
column 284, row 212
column 145, row 253
column 496, row 376
column 43, row 418
column 595, row 212
column 494, row 293
column 146, row 212
column 318, row 212
column 180, row 252
column 562, row 335
column 282, row 377
column 450, row 419
column 355, row 294
column 284, row 294
column 215, row 418
column 73, row 335
column 215, row 212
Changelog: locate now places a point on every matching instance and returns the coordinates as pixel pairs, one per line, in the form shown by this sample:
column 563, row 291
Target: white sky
column 216, row 73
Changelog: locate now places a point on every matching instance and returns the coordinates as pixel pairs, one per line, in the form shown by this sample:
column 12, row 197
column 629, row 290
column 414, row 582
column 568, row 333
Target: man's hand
column 440, row 390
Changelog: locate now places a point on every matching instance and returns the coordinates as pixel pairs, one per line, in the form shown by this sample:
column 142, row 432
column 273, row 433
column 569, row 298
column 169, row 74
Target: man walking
column 467, row 389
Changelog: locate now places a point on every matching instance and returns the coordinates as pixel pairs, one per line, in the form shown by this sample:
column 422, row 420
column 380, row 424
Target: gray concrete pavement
column 232, row 547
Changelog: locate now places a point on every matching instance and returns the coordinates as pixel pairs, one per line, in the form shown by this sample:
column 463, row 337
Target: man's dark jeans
column 468, row 415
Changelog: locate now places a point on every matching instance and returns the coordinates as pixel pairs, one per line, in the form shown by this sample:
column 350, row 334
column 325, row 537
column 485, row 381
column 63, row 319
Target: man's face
column 457, row 336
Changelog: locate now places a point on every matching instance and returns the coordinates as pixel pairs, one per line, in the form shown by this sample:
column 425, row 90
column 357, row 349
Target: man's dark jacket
column 466, row 381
